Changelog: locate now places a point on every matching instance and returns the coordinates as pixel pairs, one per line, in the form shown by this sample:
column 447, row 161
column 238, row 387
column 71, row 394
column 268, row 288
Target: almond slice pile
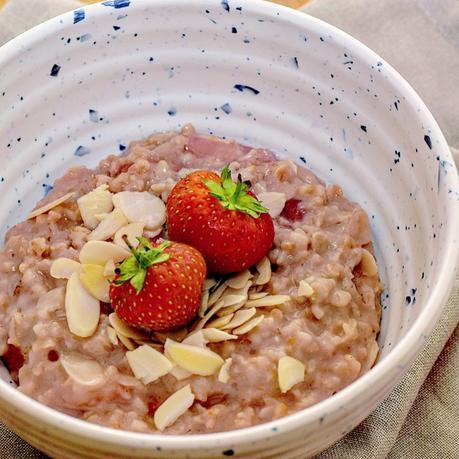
column 231, row 304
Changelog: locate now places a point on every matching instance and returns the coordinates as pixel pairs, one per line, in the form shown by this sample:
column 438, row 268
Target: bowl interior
column 87, row 84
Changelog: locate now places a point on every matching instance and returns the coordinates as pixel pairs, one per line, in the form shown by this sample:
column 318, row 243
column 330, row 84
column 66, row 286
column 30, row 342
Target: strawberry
column 221, row 218
column 159, row 287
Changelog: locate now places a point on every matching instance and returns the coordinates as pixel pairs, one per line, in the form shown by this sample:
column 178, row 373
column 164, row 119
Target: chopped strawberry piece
column 152, row 405
column 13, row 359
column 53, row 356
column 293, row 210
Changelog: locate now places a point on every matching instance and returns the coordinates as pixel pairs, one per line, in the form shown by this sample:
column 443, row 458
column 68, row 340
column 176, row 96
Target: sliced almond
column 196, row 338
column 369, row 266
column 209, row 283
column 109, row 269
column 305, row 289
column 221, row 321
column 180, row 373
column 197, row 360
column 121, row 327
column 63, row 268
column 95, row 282
column 230, row 309
column 81, row 308
column 216, row 294
column 273, row 201
column 231, row 300
column 223, row 374
column 257, row 296
column 214, row 335
column 270, row 300
column 128, row 343
column 50, row 205
column 372, row 354
column 264, row 270
column 147, row 364
column 84, row 371
column 174, row 406
column 112, row 336
column 159, row 347
column 99, row 252
column 241, row 317
column 248, row 326
column 290, row 371
column 132, row 231
column 96, row 202
column 109, row 226
column 204, row 303
column 208, row 315
column 240, row 280
column 141, row 207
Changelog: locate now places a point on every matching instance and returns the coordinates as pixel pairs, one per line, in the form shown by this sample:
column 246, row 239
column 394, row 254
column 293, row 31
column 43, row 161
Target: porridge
column 270, row 321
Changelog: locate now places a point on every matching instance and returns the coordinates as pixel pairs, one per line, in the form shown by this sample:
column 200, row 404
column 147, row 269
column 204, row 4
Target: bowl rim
column 405, row 350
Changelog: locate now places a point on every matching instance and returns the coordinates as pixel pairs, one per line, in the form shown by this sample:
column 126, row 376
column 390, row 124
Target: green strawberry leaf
column 134, row 268
column 234, row 195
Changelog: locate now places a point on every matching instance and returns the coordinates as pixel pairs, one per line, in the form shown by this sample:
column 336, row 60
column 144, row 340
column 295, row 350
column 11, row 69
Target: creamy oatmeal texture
column 319, row 258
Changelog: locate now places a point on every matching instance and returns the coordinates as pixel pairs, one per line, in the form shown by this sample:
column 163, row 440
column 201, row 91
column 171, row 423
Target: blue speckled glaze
column 86, row 84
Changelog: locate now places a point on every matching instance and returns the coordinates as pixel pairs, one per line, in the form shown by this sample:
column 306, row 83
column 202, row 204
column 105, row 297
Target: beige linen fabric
column 420, row 418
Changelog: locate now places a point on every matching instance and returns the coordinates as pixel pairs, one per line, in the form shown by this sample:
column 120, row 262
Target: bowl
column 86, row 83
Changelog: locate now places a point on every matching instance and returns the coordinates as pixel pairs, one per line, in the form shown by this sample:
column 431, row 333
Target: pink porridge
column 285, row 334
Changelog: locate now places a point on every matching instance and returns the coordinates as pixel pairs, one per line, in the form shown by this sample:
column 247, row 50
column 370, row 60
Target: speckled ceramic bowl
column 85, row 84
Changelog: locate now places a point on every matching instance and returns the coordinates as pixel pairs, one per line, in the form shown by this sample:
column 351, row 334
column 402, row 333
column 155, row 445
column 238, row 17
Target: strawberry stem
column 134, row 268
column 234, row 195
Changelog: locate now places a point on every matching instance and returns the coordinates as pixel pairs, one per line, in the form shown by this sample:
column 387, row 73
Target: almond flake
column 204, row 303
column 240, row 280
column 99, row 252
column 197, row 360
column 270, row 300
column 121, row 327
column 305, row 289
column 98, row 201
column 111, row 333
column 223, row 374
column 250, row 325
column 81, row 308
column 216, row 294
column 214, row 335
column 208, row 315
column 231, row 300
column 240, row 318
column 196, row 338
column 264, row 269
column 290, row 371
column 273, row 201
column 157, row 346
column 369, row 266
column 50, row 205
column 174, row 406
column 84, row 371
column 141, row 207
column 230, row 309
column 180, row 373
column 132, row 231
column 257, row 296
column 220, row 322
column 209, row 283
column 372, row 354
column 147, row 364
column 109, row 226
column 109, row 269
column 63, row 268
column 128, row 344
column 95, row 282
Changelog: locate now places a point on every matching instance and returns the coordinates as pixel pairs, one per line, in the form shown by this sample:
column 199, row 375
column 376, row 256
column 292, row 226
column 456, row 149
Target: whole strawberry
column 221, row 218
column 159, row 287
